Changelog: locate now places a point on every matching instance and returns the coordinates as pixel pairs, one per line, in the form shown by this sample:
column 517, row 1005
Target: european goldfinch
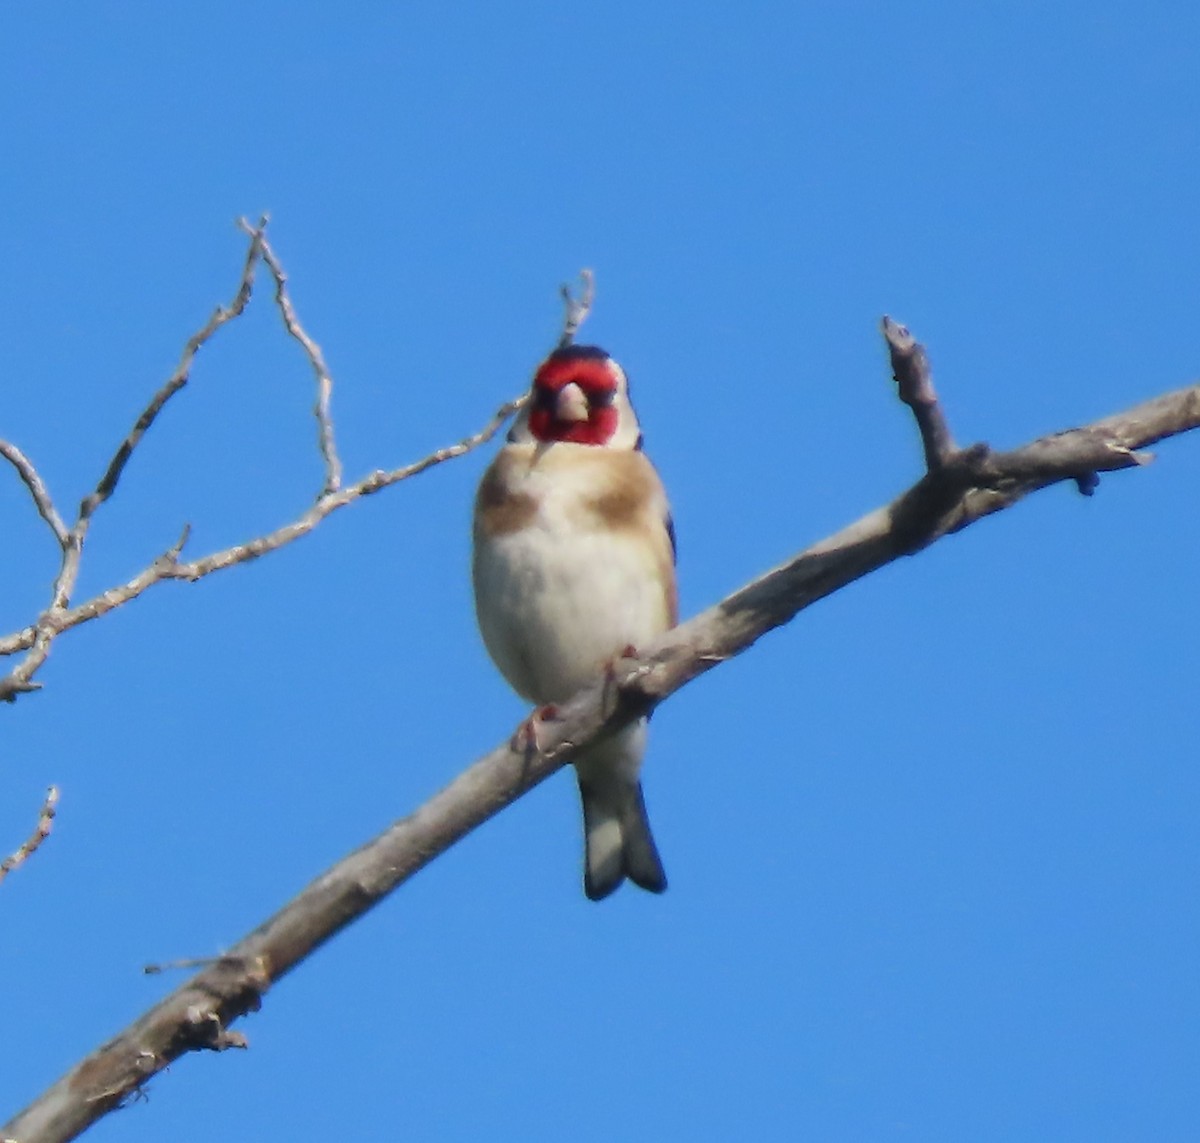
column 574, row 563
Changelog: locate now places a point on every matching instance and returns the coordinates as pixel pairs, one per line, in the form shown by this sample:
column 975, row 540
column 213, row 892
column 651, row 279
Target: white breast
column 559, row 597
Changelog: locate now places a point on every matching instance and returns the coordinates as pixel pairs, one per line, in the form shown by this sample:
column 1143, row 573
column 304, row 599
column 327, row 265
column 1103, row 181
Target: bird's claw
column 525, row 740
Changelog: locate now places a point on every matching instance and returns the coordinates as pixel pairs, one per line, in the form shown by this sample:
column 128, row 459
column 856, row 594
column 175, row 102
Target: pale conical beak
column 571, row 404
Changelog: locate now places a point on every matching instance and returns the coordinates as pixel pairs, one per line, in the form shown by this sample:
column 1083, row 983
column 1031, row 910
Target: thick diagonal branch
column 973, row 484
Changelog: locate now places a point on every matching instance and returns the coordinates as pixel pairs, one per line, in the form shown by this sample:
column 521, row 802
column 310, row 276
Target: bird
column 573, row 566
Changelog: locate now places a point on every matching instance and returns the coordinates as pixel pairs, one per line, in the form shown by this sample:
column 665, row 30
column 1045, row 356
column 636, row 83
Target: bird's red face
column 574, row 397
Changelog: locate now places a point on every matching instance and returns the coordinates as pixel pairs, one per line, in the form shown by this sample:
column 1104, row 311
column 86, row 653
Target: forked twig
column 60, row 616
column 38, row 637
column 316, row 359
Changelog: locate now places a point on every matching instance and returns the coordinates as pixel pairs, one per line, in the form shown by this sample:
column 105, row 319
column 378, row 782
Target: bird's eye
column 543, row 398
column 603, row 398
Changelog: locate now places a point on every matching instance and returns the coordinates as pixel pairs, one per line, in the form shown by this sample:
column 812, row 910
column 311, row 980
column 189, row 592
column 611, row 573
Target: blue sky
column 932, row 848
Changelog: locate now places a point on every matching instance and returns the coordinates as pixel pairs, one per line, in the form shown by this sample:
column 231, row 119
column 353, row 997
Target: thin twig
column 169, row 567
column 37, row 489
column 576, row 309
column 44, row 825
column 183, row 963
column 914, row 382
column 321, row 410
column 221, row 316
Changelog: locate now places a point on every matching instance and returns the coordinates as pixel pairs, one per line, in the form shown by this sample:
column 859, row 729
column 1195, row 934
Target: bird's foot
column 525, row 740
column 612, row 687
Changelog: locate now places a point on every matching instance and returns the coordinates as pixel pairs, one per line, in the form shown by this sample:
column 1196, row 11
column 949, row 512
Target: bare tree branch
column 961, row 487
column 50, row 623
column 168, row 566
column 44, row 825
column 37, row 638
